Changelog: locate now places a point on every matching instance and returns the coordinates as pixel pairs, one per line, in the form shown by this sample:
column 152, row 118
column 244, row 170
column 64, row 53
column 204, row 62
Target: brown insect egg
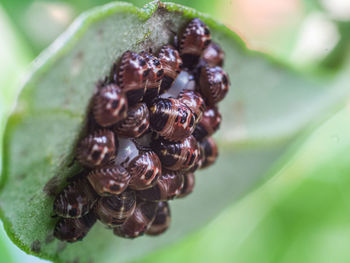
column 213, row 55
column 74, row 229
column 136, row 123
column 189, row 182
column 168, row 186
column 171, row 119
column 162, row 221
column 139, row 222
column 210, row 152
column 172, row 63
column 114, row 210
column 75, row 200
column 109, row 180
column 214, row 84
column 144, row 170
column 198, row 163
column 208, row 125
column 178, row 156
column 194, row 101
column 109, row 105
column 195, row 39
column 97, row 149
column 154, row 76
column 132, row 76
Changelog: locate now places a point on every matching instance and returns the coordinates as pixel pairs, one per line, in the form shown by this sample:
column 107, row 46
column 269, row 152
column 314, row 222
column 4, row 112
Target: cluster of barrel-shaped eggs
column 153, row 118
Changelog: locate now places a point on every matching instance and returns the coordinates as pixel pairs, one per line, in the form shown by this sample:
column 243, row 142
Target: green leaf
column 335, row 59
column 268, row 105
column 5, row 255
column 15, row 57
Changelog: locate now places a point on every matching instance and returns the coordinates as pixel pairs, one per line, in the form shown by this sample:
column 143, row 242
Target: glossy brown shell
column 210, row 152
column 194, row 101
column 178, row 156
column 213, row 55
column 74, row 229
column 136, row 123
column 162, row 220
column 168, row 186
column 114, row 210
column 189, row 183
column 132, row 76
column 214, row 84
column 109, row 105
column 172, row 119
column 145, row 170
column 139, row 222
column 75, row 200
column 194, row 40
column 208, row 125
column 97, row 149
column 198, row 163
column 154, row 76
column 172, row 63
column 109, row 180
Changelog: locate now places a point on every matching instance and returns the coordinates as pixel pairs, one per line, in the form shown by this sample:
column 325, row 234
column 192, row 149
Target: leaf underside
column 266, row 107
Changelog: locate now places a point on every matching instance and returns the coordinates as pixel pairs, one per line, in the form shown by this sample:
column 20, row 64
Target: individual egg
column 109, row 105
column 97, row 148
column 135, row 124
column 114, row 210
column 139, row 222
column 162, row 220
column 74, row 229
column 214, row 84
column 75, row 200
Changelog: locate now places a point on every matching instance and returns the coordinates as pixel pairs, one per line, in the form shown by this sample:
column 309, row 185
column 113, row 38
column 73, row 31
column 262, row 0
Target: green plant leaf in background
column 267, row 107
column 335, row 59
column 336, row 14
column 14, row 56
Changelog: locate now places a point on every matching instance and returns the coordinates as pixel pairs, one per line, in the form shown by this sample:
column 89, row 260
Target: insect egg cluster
column 152, row 124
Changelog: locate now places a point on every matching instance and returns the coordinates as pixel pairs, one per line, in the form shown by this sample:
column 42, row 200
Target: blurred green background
column 302, row 214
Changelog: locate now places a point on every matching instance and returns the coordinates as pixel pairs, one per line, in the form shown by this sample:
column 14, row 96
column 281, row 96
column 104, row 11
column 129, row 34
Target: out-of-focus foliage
column 15, row 58
column 14, row 54
column 336, row 59
column 338, row 13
